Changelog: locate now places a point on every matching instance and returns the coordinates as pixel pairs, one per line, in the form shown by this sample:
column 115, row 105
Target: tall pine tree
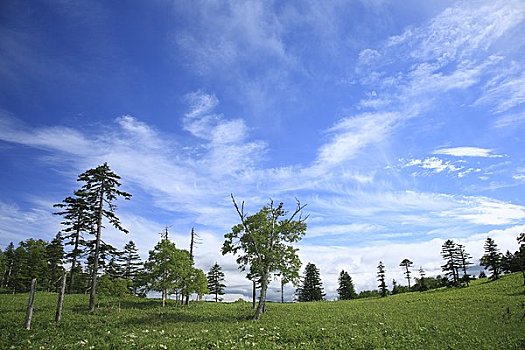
column 383, row 291
column 449, row 252
column 215, row 279
column 312, row 287
column 101, row 190
column 406, row 263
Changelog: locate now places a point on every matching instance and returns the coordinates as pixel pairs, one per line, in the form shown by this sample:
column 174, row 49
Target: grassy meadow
column 486, row 315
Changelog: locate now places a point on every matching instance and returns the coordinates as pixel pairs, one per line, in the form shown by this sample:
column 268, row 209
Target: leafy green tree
column 101, row 190
column 406, row 263
column 167, row 267
column 55, row 257
column 383, row 291
column 195, row 282
column 492, row 258
column 263, row 242
column 346, row 288
column 78, row 219
column 311, row 288
column 449, row 252
column 215, row 279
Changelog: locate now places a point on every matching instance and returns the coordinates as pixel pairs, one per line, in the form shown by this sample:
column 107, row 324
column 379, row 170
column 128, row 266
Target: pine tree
column 492, row 258
column 55, row 257
column 215, row 278
column 464, row 261
column 449, row 252
column 101, row 190
column 78, row 219
column 312, row 287
column 383, row 291
column 422, row 282
column 346, row 288
column 506, row 262
column 406, row 264
column 521, row 254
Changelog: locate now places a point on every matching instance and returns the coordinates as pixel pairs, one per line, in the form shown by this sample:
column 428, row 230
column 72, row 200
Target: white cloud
column 467, row 152
column 510, row 120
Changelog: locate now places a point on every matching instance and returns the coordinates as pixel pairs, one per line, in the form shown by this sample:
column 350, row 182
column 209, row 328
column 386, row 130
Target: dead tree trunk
column 29, row 312
column 60, row 303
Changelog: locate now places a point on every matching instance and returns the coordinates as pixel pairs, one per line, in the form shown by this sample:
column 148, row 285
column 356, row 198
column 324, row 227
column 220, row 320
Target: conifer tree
column 464, row 260
column 422, row 282
column 521, row 254
column 78, row 219
column 312, row 287
column 101, row 190
column 346, row 288
column 492, row 258
column 131, row 264
column 406, row 263
column 55, row 257
column 449, row 252
column 383, row 291
column 215, row 279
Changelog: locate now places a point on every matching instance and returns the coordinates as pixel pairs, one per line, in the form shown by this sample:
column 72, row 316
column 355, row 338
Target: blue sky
column 400, row 124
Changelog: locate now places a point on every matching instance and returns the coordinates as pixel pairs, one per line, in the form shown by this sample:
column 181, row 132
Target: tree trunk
column 92, row 292
column 74, row 262
column 60, row 303
column 254, row 293
column 262, row 297
column 29, row 312
column 282, row 291
column 216, row 296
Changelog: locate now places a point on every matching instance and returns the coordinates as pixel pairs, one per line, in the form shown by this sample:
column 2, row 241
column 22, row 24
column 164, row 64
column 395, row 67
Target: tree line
column 263, row 244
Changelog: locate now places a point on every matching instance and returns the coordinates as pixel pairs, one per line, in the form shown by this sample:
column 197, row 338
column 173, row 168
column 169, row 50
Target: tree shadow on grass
column 157, row 318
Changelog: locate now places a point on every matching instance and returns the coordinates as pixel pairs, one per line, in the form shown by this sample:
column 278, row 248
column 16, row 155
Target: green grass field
column 486, row 315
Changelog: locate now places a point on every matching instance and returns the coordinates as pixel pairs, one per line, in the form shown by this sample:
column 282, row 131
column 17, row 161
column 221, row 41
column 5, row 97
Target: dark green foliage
column 492, row 258
column 117, row 287
column 78, row 219
column 464, row 260
column 520, row 254
column 132, row 265
column 346, row 288
column 311, row 288
column 406, row 264
column 215, row 279
column 55, row 257
column 263, row 243
column 450, row 253
column 101, row 190
column 9, row 261
column 383, row 291
column 368, row 294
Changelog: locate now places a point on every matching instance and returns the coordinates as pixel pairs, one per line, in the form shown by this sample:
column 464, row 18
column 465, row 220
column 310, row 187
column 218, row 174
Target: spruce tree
column 406, row 263
column 312, row 287
column 101, row 190
column 492, row 258
column 131, row 264
column 383, row 291
column 215, row 279
column 346, row 288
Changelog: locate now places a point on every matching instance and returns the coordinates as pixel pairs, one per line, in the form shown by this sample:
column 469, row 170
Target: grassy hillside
column 485, row 316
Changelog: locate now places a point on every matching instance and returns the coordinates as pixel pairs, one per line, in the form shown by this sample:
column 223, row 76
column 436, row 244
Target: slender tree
column 449, row 252
column 422, row 282
column 78, row 219
column 464, row 260
column 215, row 279
column 263, row 242
column 101, row 190
column 55, row 257
column 346, row 288
column 131, row 265
column 311, row 288
column 383, row 291
column 406, row 263
column 9, row 261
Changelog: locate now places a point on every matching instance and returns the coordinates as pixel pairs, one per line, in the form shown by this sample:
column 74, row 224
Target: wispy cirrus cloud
column 467, row 152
